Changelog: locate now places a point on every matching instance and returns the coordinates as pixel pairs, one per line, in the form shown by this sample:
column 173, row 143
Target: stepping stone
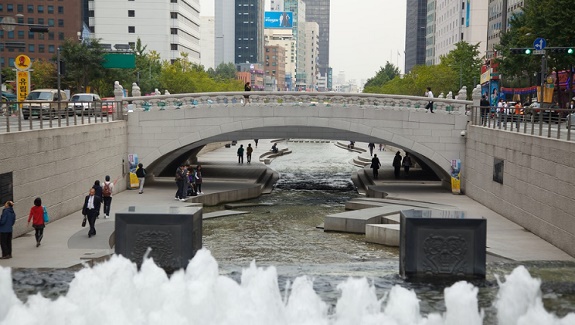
column 223, row 213
column 246, row 205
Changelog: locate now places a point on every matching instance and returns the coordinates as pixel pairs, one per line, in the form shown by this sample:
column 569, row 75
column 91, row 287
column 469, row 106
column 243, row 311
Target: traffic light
column 568, row 50
column 522, row 50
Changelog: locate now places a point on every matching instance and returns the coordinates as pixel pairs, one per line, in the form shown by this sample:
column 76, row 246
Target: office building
column 318, row 11
column 499, row 14
column 123, row 22
column 249, row 31
column 207, row 38
column 297, row 7
column 284, row 38
column 63, row 18
column 274, row 65
column 224, row 31
column 312, row 54
column 416, row 22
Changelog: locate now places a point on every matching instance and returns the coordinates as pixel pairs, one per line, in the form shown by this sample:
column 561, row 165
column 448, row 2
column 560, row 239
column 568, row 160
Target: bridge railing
column 37, row 115
column 550, row 123
column 266, row 98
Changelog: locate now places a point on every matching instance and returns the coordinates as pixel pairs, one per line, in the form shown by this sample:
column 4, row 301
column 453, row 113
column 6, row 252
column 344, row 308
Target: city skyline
column 375, row 24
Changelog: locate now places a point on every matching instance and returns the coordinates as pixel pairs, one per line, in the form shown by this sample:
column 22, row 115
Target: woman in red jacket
column 37, row 217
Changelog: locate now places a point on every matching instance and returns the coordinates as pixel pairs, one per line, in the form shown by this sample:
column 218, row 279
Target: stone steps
column 384, row 234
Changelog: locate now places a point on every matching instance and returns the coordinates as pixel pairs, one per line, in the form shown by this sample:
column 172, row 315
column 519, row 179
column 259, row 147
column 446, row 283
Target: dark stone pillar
column 441, row 244
column 173, row 233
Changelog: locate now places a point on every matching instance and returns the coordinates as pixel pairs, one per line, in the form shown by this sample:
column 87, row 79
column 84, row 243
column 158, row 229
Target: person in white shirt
column 429, row 94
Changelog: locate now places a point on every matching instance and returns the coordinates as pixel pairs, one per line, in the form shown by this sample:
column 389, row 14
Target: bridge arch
column 162, row 136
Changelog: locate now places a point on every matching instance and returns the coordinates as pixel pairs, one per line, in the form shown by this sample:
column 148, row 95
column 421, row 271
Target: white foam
column 116, row 293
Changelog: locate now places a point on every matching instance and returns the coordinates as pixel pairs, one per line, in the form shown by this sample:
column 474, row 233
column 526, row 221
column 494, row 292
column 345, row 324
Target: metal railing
column 37, row 115
column 551, row 123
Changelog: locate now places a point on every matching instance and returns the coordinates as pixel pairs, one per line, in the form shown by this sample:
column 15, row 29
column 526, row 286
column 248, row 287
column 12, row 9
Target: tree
column 44, row 74
column 383, row 76
column 465, row 62
column 438, row 77
column 83, row 63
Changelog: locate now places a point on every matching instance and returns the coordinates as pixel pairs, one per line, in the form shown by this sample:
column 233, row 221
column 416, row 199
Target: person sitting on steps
column 275, row 148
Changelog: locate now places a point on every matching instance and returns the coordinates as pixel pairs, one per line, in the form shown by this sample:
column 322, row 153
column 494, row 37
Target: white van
column 44, row 102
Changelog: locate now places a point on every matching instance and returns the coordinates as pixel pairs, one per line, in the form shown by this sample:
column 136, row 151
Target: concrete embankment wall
column 60, row 165
column 538, row 181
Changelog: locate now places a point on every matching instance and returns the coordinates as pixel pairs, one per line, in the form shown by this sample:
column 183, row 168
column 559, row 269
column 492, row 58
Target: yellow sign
column 485, row 76
column 22, row 62
column 23, row 84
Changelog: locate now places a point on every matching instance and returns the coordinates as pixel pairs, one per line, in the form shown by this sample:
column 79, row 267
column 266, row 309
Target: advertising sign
column 456, row 176
column 278, row 19
column 23, row 87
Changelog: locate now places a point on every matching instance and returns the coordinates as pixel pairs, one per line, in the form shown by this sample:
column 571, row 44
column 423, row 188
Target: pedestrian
column 397, row 164
column 191, row 182
column 375, row 164
column 484, row 109
column 141, row 174
column 247, row 87
column 7, row 221
column 406, row 163
column 429, row 94
column 241, row 154
column 371, row 146
column 91, row 210
column 249, row 151
column 180, row 181
column 186, row 181
column 256, row 141
column 381, row 147
column 275, row 148
column 107, row 191
column 198, row 179
column 98, row 189
column 37, row 217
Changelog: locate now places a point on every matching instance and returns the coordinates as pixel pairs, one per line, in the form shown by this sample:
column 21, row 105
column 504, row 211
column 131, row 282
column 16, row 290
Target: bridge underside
column 165, row 164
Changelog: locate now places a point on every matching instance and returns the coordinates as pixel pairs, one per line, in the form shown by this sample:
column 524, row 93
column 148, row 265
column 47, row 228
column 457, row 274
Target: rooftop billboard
column 278, row 19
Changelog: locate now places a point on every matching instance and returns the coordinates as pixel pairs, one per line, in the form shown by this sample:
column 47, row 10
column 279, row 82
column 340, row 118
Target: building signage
column 278, row 19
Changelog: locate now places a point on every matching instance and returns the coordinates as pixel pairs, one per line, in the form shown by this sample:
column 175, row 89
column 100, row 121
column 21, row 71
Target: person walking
column 180, row 182
column 375, row 164
column 241, row 154
column 249, row 151
column 484, row 109
column 406, row 163
column 247, row 87
column 7, row 221
column 198, row 179
column 37, row 217
column 256, row 141
column 371, row 146
column 91, row 210
column 98, row 189
column 397, row 164
column 107, row 191
column 141, row 174
column 429, row 94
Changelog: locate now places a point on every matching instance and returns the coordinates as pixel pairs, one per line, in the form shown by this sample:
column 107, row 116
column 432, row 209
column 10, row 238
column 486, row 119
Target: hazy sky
column 364, row 34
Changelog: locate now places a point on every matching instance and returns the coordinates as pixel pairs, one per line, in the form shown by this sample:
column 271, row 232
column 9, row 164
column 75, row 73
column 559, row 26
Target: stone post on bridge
column 118, row 91
column 136, row 90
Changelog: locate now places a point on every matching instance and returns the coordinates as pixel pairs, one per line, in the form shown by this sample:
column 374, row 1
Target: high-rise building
column 249, row 31
column 499, row 14
column 274, row 65
column 64, row 18
column 416, row 21
column 207, row 38
column 224, row 42
column 169, row 28
column 430, row 33
column 312, row 54
column 297, row 7
column 284, row 38
column 457, row 21
column 319, row 11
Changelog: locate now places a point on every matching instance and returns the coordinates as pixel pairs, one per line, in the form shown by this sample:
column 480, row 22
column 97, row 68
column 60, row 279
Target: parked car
column 108, row 106
column 44, row 102
column 8, row 102
column 85, row 103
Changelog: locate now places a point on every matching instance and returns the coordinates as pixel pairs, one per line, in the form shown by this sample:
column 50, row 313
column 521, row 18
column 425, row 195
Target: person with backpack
column 141, row 173
column 107, row 191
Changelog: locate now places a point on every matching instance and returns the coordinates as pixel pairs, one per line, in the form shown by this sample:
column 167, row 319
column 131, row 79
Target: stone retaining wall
column 538, row 181
column 60, row 165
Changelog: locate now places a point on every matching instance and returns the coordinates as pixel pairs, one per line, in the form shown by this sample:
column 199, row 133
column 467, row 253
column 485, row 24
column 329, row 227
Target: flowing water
column 273, row 266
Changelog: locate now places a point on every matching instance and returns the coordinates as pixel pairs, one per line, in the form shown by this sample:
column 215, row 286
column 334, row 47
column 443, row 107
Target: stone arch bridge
column 164, row 129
